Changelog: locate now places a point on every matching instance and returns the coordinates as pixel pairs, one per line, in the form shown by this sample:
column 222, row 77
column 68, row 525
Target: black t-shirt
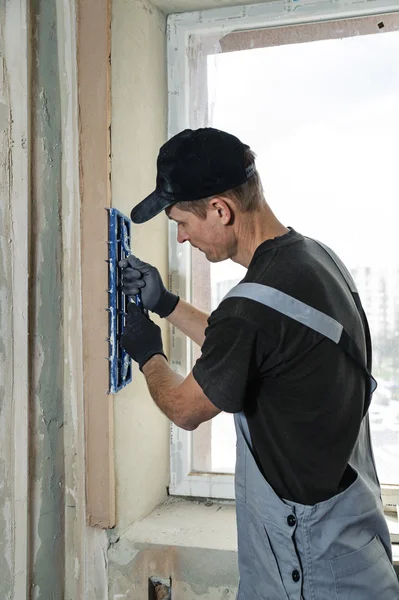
column 303, row 396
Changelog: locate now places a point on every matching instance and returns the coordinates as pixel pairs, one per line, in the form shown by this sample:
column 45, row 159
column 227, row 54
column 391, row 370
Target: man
column 288, row 352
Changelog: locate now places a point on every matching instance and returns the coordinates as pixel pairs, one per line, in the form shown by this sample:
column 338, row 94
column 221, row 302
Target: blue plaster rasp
column 120, row 364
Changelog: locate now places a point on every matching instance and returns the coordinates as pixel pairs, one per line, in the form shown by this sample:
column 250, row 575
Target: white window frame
column 183, row 32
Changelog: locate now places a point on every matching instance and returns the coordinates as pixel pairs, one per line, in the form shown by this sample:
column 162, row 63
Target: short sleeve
column 230, row 361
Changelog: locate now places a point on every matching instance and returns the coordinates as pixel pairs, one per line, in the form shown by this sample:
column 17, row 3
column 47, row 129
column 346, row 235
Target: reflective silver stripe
column 289, row 306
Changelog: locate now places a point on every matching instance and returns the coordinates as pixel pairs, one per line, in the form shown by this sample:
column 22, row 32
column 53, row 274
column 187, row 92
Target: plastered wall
column 139, row 109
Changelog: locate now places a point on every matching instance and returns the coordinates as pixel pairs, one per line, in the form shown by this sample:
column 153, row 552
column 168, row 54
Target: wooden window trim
column 94, row 49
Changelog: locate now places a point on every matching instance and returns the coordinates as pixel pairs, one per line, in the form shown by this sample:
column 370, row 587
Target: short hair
column 247, row 197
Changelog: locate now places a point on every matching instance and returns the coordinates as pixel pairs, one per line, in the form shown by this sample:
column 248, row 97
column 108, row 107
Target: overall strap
column 355, row 294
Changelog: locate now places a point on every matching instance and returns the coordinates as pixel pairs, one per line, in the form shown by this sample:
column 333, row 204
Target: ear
column 222, row 210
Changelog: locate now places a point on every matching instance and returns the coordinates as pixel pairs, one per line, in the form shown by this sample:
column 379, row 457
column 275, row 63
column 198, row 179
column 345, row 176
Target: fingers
column 132, row 281
column 131, row 275
column 133, row 310
column 135, row 263
column 136, row 284
column 135, row 317
column 131, row 288
column 130, row 291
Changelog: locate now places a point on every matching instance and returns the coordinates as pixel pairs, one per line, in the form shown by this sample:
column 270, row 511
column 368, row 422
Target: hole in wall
column 159, row 588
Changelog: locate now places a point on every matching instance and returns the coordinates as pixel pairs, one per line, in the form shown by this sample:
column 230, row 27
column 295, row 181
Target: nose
column 181, row 237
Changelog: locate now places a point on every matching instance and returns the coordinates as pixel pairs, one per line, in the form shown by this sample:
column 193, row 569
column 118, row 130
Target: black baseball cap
column 192, row 165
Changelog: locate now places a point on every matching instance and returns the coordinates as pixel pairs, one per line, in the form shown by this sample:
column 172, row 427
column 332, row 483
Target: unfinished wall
column 60, row 540
column 13, row 300
column 46, row 550
column 47, row 348
column 191, row 571
column 139, row 96
column 190, row 545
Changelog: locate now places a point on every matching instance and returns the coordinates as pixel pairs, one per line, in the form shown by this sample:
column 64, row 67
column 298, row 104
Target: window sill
column 201, row 524
column 189, row 523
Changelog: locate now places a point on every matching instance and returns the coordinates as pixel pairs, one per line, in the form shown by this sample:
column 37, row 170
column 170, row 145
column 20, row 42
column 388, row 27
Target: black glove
column 138, row 276
column 141, row 337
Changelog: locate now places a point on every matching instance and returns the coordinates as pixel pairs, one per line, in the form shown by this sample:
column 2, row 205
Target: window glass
column 323, row 119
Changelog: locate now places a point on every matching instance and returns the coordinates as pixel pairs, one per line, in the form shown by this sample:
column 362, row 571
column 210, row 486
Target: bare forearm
column 163, row 384
column 190, row 321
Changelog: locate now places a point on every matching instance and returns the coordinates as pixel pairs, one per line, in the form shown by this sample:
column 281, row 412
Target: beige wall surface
column 139, row 115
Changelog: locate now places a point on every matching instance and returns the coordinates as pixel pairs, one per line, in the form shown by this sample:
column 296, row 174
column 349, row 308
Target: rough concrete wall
column 53, row 554
column 47, row 347
column 139, row 103
column 191, row 545
column 195, row 573
column 6, row 320
column 67, row 559
column 6, row 451
column 13, row 300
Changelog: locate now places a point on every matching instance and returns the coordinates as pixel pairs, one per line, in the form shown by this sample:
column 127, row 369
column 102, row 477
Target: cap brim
column 150, row 207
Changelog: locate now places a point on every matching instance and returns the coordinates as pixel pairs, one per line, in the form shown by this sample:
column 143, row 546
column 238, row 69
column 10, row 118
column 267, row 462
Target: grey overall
column 338, row 549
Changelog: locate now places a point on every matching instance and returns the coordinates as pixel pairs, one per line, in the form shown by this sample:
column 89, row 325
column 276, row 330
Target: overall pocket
column 365, row 574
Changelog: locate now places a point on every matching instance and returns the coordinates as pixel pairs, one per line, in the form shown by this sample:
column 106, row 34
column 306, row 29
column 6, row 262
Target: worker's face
column 209, row 235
